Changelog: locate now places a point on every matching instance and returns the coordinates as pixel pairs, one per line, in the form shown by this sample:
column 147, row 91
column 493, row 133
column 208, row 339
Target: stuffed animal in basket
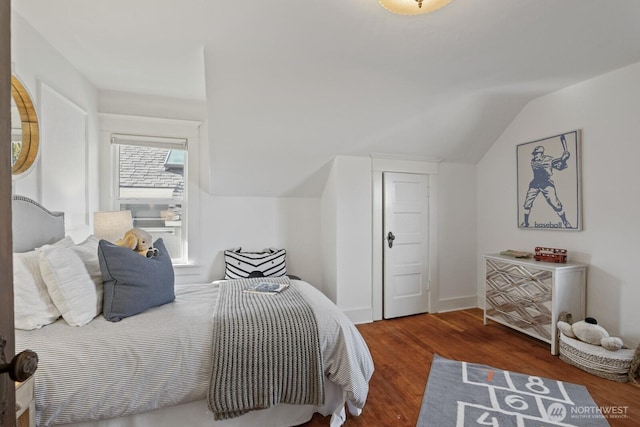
column 589, row 331
column 138, row 241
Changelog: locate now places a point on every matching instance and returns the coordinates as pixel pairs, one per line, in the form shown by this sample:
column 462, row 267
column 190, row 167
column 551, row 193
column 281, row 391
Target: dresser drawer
column 518, row 272
column 530, row 318
column 535, row 304
column 525, row 284
column 527, row 291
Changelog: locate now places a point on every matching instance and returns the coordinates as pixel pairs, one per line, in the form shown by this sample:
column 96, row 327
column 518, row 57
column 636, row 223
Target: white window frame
column 148, row 128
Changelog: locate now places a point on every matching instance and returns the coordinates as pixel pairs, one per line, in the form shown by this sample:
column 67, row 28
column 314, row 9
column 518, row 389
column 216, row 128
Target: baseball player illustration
column 542, row 167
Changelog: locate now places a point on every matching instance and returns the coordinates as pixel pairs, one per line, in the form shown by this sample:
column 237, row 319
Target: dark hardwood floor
column 403, row 349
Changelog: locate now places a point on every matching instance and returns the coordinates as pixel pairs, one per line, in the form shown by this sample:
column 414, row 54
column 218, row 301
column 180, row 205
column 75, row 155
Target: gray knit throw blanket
column 266, row 350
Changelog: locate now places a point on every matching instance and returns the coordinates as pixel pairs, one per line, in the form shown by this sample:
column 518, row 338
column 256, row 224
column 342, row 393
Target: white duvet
column 162, row 358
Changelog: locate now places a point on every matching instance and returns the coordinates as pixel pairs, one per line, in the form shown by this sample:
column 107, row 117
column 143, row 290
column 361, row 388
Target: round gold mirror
column 24, row 129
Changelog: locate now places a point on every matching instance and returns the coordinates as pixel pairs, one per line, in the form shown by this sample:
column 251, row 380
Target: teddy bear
column 589, row 331
column 138, row 241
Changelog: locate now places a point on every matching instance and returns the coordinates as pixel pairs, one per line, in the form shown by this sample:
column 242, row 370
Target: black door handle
column 390, row 239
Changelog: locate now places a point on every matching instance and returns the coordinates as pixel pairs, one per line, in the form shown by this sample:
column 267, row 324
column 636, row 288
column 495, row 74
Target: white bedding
column 162, row 358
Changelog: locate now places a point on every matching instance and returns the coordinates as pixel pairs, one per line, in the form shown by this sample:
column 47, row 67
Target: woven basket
column 597, row 360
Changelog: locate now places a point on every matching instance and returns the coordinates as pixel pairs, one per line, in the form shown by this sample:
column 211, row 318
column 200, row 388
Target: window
column 150, row 182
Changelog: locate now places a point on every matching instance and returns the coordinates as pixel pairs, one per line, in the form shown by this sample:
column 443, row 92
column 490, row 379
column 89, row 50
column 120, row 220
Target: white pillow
column 69, row 284
column 33, row 307
column 88, row 253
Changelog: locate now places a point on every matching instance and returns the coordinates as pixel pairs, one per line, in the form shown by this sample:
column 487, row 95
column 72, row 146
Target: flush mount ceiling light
column 413, row 7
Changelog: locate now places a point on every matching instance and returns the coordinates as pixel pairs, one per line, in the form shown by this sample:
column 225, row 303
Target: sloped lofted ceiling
column 290, row 84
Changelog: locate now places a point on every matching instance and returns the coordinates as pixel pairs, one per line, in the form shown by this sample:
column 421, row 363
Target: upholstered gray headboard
column 34, row 225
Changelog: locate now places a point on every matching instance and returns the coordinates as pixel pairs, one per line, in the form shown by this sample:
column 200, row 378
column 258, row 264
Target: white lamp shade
column 111, row 226
column 413, row 7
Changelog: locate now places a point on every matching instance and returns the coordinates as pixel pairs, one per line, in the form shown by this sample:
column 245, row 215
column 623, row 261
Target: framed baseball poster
column 549, row 194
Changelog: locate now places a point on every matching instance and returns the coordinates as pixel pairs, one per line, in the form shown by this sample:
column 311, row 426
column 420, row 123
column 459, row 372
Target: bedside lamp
column 111, row 226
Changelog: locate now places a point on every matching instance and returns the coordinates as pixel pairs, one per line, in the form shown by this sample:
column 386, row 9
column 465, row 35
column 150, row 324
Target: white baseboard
column 360, row 315
column 481, row 301
column 365, row 315
column 453, row 304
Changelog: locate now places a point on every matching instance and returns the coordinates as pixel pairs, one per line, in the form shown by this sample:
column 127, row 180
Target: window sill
column 186, row 269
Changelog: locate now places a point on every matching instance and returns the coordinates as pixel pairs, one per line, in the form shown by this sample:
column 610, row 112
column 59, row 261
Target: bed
column 154, row 368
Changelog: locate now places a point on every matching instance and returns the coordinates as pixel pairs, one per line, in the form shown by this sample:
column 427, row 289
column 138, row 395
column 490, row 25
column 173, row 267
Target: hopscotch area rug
column 465, row 394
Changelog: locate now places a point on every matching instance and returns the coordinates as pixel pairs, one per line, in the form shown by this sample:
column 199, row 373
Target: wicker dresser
column 528, row 295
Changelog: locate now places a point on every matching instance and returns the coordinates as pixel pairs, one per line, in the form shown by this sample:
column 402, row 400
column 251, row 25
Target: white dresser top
column 537, row 264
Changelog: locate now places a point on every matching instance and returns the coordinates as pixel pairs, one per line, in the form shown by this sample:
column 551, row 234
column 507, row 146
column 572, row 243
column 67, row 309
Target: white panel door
column 406, row 236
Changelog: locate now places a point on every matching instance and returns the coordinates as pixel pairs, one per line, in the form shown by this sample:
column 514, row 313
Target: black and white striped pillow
column 270, row 263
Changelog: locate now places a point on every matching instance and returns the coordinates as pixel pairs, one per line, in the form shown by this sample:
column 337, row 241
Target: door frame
column 7, row 388
column 381, row 163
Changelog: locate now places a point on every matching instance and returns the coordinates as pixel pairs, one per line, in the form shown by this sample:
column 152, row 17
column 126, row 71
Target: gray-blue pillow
column 134, row 283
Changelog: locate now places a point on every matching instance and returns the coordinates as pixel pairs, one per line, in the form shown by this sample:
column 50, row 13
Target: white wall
column 452, row 225
column 115, row 102
column 256, row 223
column 606, row 109
column 46, row 74
column 456, row 237
column 329, row 234
column 334, row 231
column 253, row 223
column 346, row 236
column 353, row 247
column 218, row 223
column 351, row 272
